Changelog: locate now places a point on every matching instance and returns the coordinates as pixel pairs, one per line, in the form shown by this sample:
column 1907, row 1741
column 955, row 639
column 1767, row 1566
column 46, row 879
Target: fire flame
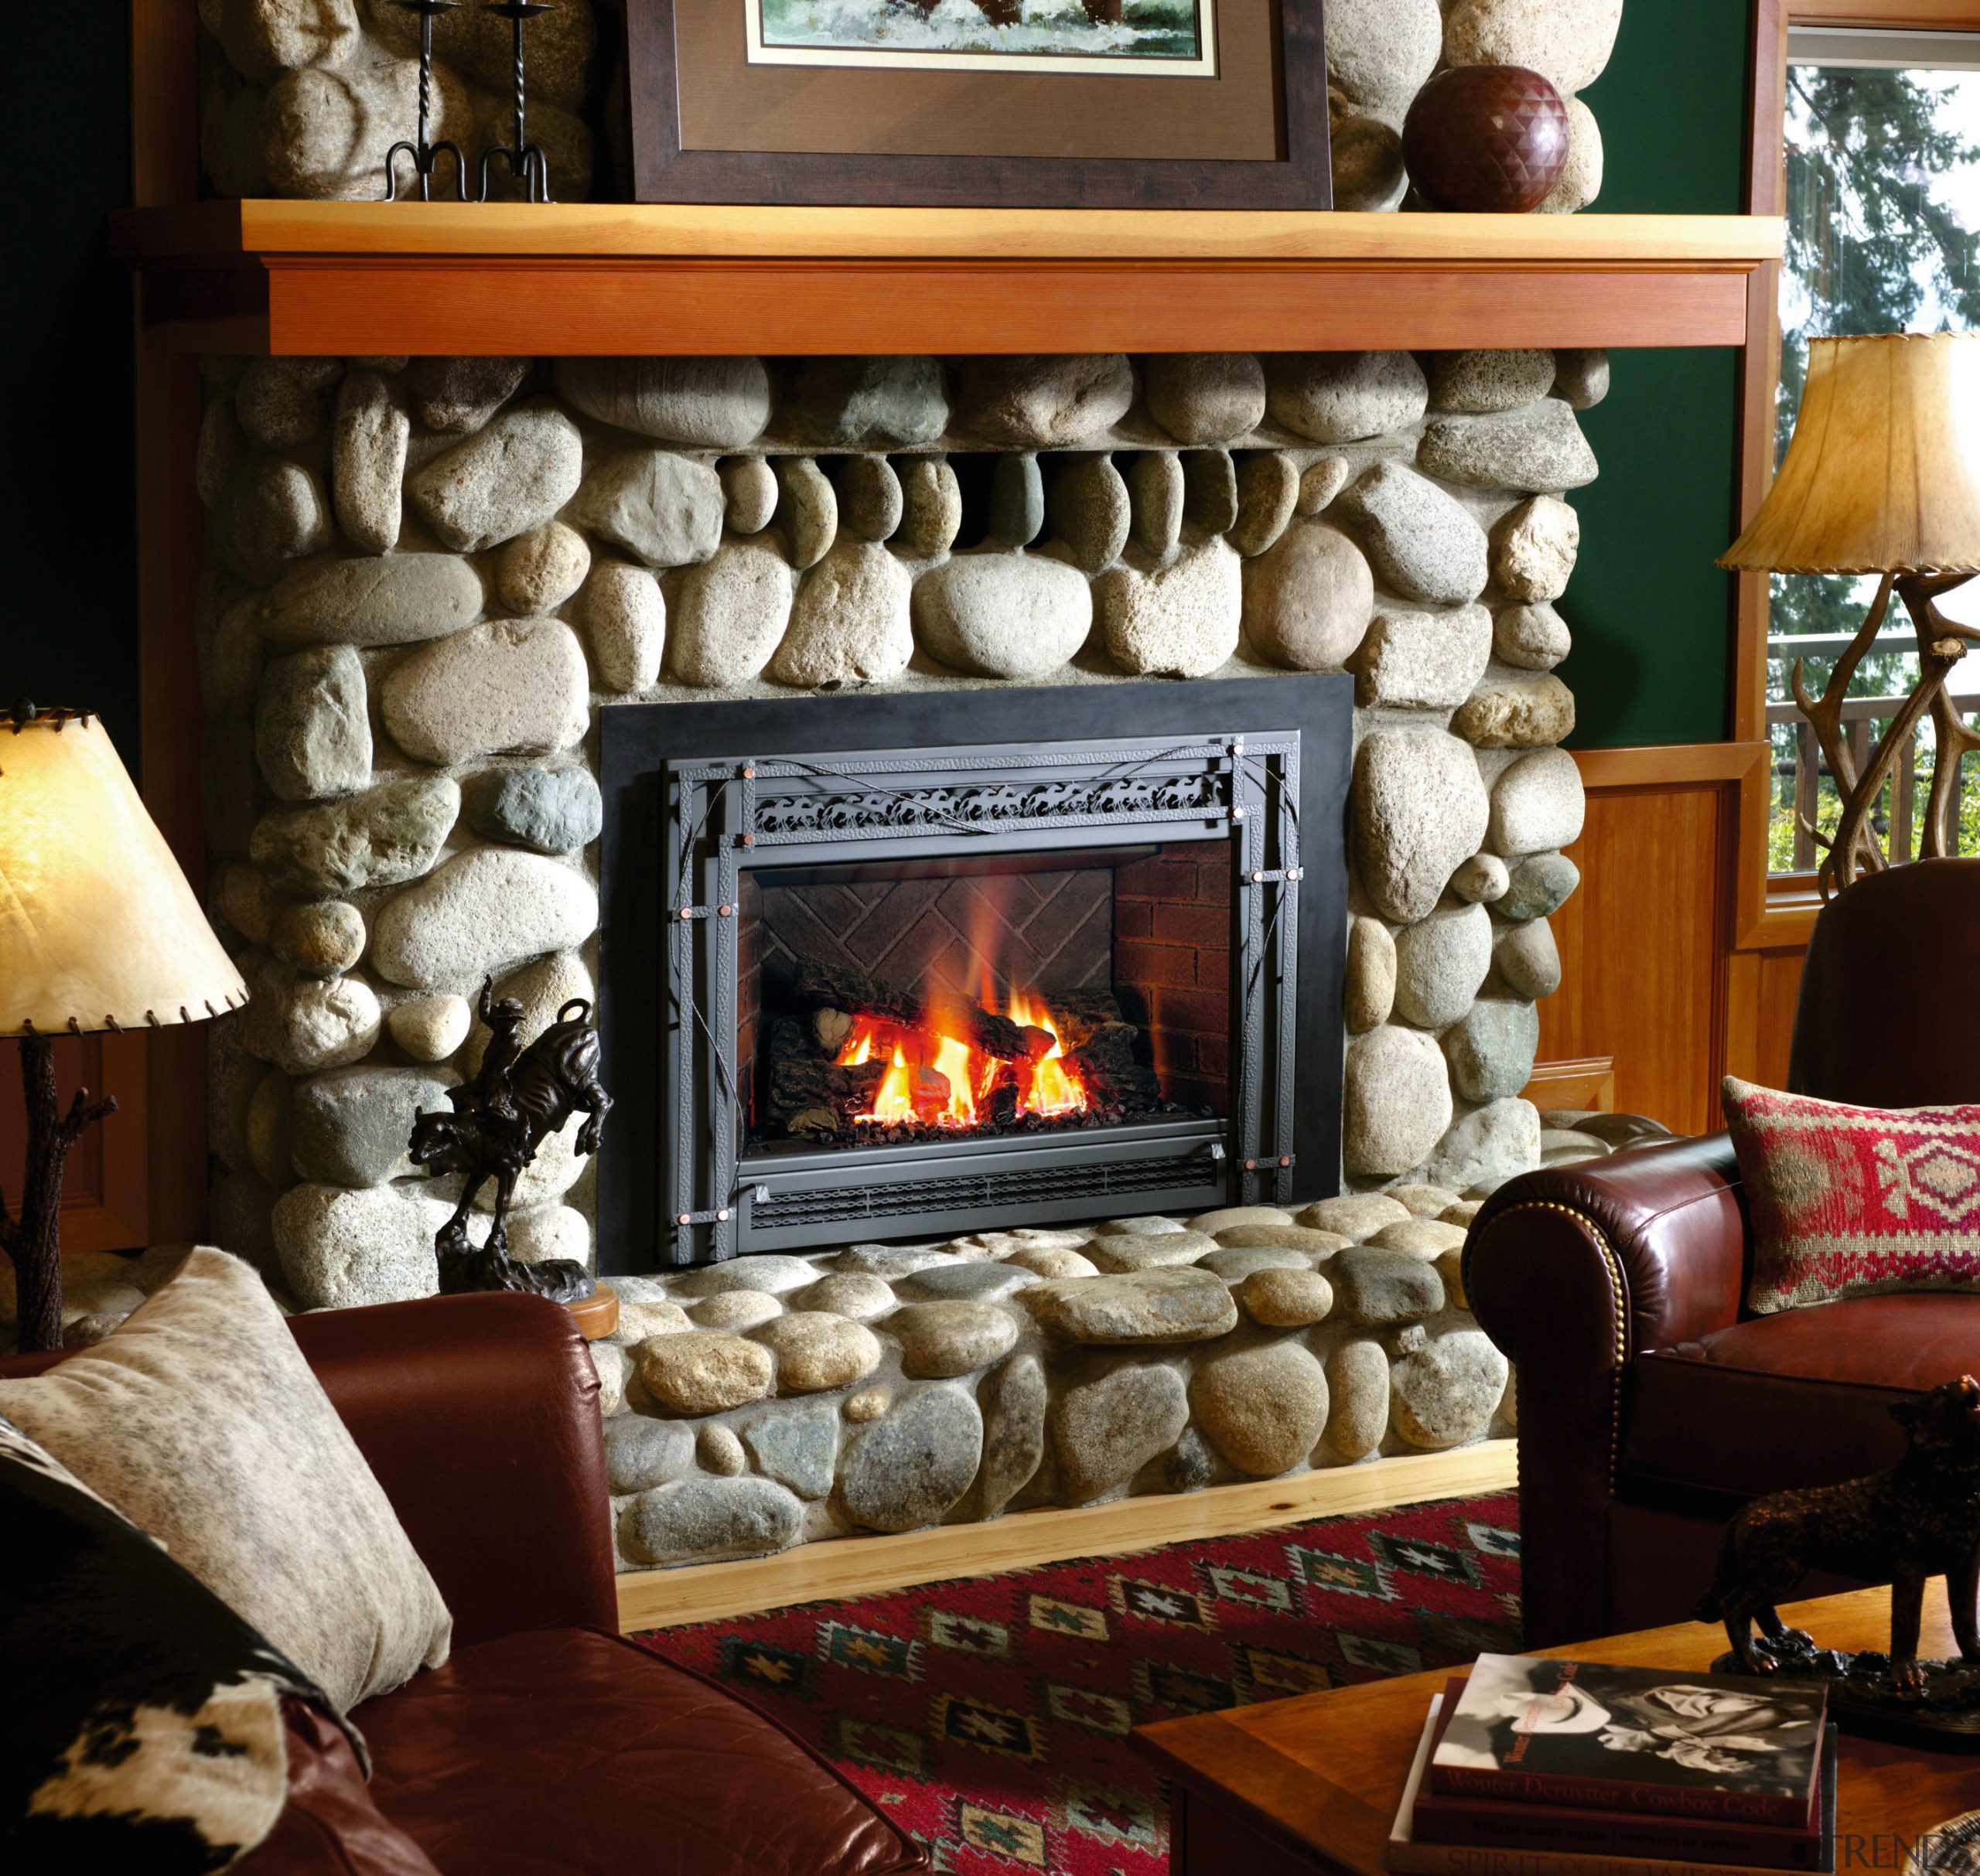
column 1044, row 1086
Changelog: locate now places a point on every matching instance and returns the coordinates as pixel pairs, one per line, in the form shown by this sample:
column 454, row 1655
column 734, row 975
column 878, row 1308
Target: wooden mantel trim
column 1681, row 765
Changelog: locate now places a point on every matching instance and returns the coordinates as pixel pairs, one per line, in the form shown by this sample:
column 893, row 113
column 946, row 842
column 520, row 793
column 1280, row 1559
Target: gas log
column 838, row 987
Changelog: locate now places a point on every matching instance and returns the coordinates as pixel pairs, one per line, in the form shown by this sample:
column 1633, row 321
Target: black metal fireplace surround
column 1149, row 878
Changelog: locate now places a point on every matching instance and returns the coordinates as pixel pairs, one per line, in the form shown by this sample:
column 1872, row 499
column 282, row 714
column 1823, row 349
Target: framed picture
column 992, row 104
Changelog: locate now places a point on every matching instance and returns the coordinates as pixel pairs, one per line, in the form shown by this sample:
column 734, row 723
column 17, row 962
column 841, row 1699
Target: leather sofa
column 1651, row 1404
column 547, row 1743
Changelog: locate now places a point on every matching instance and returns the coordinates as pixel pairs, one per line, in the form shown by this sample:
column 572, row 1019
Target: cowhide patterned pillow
column 1854, row 1200
column 141, row 1723
column 199, row 1421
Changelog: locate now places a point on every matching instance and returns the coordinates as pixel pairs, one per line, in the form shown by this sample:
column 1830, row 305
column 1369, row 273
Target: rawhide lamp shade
column 1883, row 473
column 98, row 928
column 1883, row 476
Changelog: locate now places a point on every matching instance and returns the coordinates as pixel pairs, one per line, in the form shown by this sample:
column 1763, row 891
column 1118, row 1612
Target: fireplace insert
column 916, row 965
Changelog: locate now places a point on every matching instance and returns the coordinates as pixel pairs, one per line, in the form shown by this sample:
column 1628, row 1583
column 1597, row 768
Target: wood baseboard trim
column 841, row 1569
column 1587, row 1086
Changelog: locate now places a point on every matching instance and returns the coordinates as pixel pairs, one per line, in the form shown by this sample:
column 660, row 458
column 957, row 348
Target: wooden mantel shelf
column 371, row 279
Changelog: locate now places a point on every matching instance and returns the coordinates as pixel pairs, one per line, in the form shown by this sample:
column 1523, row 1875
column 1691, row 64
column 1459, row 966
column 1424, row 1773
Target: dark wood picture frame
column 1301, row 177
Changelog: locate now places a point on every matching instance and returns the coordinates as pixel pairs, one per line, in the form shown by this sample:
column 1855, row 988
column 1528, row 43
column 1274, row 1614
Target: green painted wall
column 1651, row 616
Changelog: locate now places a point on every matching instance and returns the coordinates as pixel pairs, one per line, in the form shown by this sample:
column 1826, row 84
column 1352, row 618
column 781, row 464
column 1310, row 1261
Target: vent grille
column 843, row 1204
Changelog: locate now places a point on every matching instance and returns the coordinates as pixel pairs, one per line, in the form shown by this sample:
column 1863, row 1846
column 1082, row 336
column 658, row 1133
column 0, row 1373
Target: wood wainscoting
column 1661, row 975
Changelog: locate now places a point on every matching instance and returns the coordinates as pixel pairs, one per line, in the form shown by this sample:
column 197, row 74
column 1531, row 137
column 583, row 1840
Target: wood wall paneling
column 104, row 1187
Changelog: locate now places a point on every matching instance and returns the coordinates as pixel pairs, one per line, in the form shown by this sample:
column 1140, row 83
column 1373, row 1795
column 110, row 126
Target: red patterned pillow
column 1854, row 1200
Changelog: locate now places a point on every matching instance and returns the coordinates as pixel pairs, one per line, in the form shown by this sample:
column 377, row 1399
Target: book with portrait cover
column 1541, row 1731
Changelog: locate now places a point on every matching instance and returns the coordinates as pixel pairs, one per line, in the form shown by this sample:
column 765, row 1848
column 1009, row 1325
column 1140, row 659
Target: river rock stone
column 875, row 403
column 1210, row 490
column 1492, row 1142
column 397, row 599
column 282, row 403
column 1539, row 446
column 1422, row 1201
column 625, row 618
column 1104, row 1431
column 1534, row 547
column 1440, row 963
column 1204, row 397
column 1017, row 500
column 1354, row 1214
column 270, row 513
column 1013, row 1400
column 1263, row 1408
column 1046, row 1261
column 1537, row 804
column 430, row 1028
column 321, row 938
column 1479, row 384
column 941, row 1339
column 516, row 684
column 1284, row 1299
column 269, row 1133
column 480, row 912
column 851, row 624
column 545, row 1231
column 1358, row 1386
column 1376, row 1287
column 220, row 451
column 847, row 1293
column 1150, row 1250
column 1419, row 811
column 351, row 1127
column 1088, row 508
column 706, row 403
column 1568, row 42
column 1528, row 960
column 909, row 1468
column 771, row 1272
column 1235, row 1263
column 868, row 1404
column 1482, row 879
column 662, row 509
column 230, row 657
column 798, row 1450
column 705, row 1520
column 502, row 481
column 1037, row 401
column 613, row 1367
column 1581, row 377
column 971, row 1281
column 1160, row 1306
column 304, row 1024
column 339, row 1250
column 748, row 491
column 731, row 612
column 705, row 1371
column 1341, row 396
column 1581, row 180
column 1309, row 597
column 815, row 1350
column 1533, row 638
column 720, row 1451
column 1191, row 1465
column 1179, row 621
column 387, row 836
column 1427, row 1238
column 1302, row 1240
column 463, row 393
column 1151, row 1225
column 1371, row 991
column 1002, row 615
column 1368, row 173
column 1539, row 887
column 368, row 439
column 312, row 735
column 1156, row 493
column 1267, row 492
column 806, row 509
column 641, row 1452
column 539, row 570
column 1225, row 1216
column 931, row 506
column 1444, row 1393
column 1398, row 1101
column 1421, row 540
column 1422, row 660
column 548, row 810
column 737, row 1311
column 1380, row 53
column 323, row 133
column 869, row 497
column 1491, row 1049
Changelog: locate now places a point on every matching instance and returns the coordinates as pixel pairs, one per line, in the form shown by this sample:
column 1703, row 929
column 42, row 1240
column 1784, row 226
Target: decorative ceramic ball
column 1486, row 140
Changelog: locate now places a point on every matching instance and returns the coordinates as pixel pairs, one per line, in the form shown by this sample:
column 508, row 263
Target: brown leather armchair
column 547, row 1743
column 1651, row 1404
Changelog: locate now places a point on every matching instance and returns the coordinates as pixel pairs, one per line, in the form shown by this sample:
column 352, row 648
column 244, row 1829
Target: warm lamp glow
column 98, row 928
column 1883, row 473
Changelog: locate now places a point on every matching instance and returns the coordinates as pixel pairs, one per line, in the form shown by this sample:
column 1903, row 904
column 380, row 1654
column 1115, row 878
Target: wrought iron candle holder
column 426, row 155
column 525, row 160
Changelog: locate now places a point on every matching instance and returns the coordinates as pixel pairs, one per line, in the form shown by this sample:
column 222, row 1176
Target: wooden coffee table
column 1289, row 1787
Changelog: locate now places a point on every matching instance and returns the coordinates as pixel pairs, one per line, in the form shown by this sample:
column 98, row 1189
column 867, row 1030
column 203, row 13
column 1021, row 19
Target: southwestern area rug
column 989, row 1716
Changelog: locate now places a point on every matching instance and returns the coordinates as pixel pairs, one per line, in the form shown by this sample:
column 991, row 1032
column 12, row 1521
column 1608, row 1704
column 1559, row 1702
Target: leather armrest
column 479, row 1414
column 1572, row 1271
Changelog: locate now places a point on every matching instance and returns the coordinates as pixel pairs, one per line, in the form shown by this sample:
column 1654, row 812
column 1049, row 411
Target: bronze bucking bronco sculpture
column 519, row 1098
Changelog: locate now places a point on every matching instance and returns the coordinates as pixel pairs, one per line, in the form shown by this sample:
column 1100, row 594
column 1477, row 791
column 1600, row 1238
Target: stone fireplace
column 487, row 648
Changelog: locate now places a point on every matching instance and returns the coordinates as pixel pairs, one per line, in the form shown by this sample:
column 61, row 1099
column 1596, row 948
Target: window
column 1883, row 235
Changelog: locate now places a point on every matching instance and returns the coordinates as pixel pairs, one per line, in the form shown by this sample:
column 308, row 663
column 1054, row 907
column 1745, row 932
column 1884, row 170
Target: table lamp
column 1883, row 476
column 98, row 930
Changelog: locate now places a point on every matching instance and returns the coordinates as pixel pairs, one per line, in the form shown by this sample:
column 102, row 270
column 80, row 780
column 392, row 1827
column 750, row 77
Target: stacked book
column 1529, row 1767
